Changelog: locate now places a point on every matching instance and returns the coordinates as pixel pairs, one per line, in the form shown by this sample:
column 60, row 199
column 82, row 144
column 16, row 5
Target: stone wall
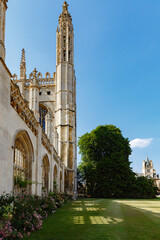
column 11, row 124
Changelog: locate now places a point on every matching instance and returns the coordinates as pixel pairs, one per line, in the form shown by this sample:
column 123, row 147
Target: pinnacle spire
column 147, row 159
column 65, row 14
column 23, row 65
column 23, row 59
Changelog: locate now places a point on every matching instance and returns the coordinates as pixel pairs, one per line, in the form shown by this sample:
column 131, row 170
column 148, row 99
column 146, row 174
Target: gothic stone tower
column 147, row 168
column 66, row 97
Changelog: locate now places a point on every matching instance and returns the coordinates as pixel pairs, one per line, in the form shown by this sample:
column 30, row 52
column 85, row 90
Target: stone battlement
column 47, row 80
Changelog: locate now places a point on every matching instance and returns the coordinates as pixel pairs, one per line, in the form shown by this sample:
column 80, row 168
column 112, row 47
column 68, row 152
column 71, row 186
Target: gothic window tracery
column 42, row 119
column 22, row 165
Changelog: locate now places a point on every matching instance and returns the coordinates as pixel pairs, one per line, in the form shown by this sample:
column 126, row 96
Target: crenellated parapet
column 47, row 80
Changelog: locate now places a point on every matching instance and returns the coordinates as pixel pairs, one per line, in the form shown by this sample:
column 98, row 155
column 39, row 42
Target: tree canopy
column 105, row 163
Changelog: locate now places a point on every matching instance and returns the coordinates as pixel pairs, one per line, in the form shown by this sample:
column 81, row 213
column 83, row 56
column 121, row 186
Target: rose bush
column 21, row 215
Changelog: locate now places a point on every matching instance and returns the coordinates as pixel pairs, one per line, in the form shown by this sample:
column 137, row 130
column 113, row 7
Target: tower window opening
column 69, row 40
column 64, row 55
column 64, row 41
column 64, row 27
column 40, row 93
column 48, row 93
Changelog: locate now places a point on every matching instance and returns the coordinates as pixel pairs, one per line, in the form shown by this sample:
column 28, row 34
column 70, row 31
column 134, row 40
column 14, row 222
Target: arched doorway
column 45, row 174
column 22, row 163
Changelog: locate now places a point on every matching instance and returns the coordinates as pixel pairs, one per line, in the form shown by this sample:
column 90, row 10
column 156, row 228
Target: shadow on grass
column 96, row 219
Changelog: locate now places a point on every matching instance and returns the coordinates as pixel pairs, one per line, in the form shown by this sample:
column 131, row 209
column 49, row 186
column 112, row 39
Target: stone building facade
column 38, row 119
column 149, row 172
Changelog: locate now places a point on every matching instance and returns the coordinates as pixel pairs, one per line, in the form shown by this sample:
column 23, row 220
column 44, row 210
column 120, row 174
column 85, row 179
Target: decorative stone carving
column 65, row 14
column 21, row 107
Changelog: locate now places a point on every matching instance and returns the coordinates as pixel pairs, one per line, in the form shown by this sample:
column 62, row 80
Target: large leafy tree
column 105, row 163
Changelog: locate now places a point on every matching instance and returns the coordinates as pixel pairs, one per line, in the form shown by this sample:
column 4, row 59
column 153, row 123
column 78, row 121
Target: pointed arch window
column 42, row 119
column 22, row 164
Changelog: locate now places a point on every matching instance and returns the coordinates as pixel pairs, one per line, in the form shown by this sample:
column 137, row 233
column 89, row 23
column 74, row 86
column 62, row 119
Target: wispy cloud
column 140, row 143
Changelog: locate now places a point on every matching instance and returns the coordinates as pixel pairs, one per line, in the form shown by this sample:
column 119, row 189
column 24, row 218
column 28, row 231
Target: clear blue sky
column 117, row 62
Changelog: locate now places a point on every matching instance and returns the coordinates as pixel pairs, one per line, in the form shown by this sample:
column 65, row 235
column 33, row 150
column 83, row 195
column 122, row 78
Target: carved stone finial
column 35, row 73
column 65, row 7
column 65, row 14
column 34, row 78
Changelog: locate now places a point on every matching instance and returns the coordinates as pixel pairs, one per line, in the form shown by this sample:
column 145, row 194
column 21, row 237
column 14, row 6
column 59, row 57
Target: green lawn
column 96, row 219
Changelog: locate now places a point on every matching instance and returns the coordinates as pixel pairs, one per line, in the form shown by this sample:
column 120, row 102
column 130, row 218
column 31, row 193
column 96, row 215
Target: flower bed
column 21, row 215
